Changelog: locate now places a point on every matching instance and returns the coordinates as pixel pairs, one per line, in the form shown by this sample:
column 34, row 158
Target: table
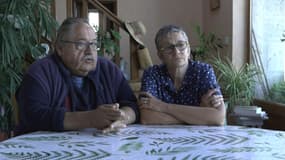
column 144, row 142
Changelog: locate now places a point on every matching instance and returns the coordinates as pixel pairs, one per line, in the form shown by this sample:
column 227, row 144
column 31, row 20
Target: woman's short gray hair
column 165, row 30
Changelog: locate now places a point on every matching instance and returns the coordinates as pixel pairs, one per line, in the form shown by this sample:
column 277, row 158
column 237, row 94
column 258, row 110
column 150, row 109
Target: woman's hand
column 211, row 100
column 147, row 101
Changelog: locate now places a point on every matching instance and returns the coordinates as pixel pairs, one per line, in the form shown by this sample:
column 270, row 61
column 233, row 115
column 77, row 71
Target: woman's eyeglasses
column 181, row 46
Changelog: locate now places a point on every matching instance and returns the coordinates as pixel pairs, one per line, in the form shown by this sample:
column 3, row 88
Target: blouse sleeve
column 208, row 80
column 149, row 82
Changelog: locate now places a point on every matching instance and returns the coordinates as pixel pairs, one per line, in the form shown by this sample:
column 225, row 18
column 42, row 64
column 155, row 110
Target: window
column 268, row 48
column 93, row 17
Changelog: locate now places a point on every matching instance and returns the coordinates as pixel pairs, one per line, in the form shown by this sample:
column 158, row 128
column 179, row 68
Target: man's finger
column 106, row 130
column 114, row 106
column 118, row 124
column 114, row 127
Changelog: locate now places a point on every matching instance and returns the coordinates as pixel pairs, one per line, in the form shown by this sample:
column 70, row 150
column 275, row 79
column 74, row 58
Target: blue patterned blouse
column 199, row 78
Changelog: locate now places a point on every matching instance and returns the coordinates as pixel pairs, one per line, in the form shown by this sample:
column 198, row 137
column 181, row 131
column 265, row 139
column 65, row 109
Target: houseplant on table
column 24, row 25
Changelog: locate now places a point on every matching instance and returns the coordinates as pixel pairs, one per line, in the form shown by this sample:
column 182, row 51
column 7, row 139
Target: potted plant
column 237, row 84
column 277, row 92
column 24, row 25
column 109, row 46
column 108, row 42
column 207, row 43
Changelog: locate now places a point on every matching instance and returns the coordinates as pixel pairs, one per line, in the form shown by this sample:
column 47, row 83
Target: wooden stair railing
column 134, row 65
column 108, row 13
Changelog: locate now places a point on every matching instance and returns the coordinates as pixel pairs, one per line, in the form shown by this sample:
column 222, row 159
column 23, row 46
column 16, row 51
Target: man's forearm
column 75, row 121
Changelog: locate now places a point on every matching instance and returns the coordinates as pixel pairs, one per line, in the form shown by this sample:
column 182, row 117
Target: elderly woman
column 180, row 90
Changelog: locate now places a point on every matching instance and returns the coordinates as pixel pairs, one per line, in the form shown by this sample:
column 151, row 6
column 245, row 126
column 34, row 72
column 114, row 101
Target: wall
column 240, row 51
column 156, row 13
column 219, row 22
column 60, row 10
column 185, row 13
column 231, row 23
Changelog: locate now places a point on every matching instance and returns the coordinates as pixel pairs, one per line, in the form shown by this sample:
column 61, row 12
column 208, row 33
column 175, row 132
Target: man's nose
column 89, row 49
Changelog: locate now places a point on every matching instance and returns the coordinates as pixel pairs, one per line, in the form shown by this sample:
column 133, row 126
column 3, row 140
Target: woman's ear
column 190, row 56
column 159, row 54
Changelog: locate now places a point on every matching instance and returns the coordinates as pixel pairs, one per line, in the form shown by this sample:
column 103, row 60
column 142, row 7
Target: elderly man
column 73, row 88
column 179, row 91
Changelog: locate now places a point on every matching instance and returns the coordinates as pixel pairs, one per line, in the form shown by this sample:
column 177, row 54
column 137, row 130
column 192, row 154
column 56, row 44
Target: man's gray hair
column 67, row 26
column 165, row 30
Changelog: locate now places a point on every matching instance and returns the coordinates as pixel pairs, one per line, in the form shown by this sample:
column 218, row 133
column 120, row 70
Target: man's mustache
column 88, row 57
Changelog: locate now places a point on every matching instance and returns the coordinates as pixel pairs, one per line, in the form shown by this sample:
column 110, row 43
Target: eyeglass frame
column 85, row 44
column 171, row 47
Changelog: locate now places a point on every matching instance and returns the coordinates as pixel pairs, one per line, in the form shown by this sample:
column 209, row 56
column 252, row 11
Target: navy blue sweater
column 46, row 85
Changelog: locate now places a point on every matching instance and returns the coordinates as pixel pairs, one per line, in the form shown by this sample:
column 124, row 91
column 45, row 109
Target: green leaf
column 23, row 24
column 237, row 83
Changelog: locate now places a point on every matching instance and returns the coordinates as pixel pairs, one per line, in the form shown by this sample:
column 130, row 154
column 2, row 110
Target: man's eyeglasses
column 84, row 45
column 181, row 46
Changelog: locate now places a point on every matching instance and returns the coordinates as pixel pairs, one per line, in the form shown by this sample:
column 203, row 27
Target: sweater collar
column 93, row 75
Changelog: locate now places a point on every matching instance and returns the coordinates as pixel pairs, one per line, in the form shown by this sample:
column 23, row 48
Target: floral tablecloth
column 145, row 142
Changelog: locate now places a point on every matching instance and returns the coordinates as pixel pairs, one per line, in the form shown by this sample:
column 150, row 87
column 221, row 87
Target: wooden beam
column 84, row 11
column 108, row 13
column 134, row 64
column 52, row 9
column 69, row 9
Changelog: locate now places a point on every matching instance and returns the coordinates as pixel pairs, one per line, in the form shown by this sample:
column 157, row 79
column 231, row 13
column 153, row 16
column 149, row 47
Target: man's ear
column 59, row 49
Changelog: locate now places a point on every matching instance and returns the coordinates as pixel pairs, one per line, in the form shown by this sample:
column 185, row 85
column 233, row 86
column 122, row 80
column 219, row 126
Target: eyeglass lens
column 84, row 45
column 181, row 46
